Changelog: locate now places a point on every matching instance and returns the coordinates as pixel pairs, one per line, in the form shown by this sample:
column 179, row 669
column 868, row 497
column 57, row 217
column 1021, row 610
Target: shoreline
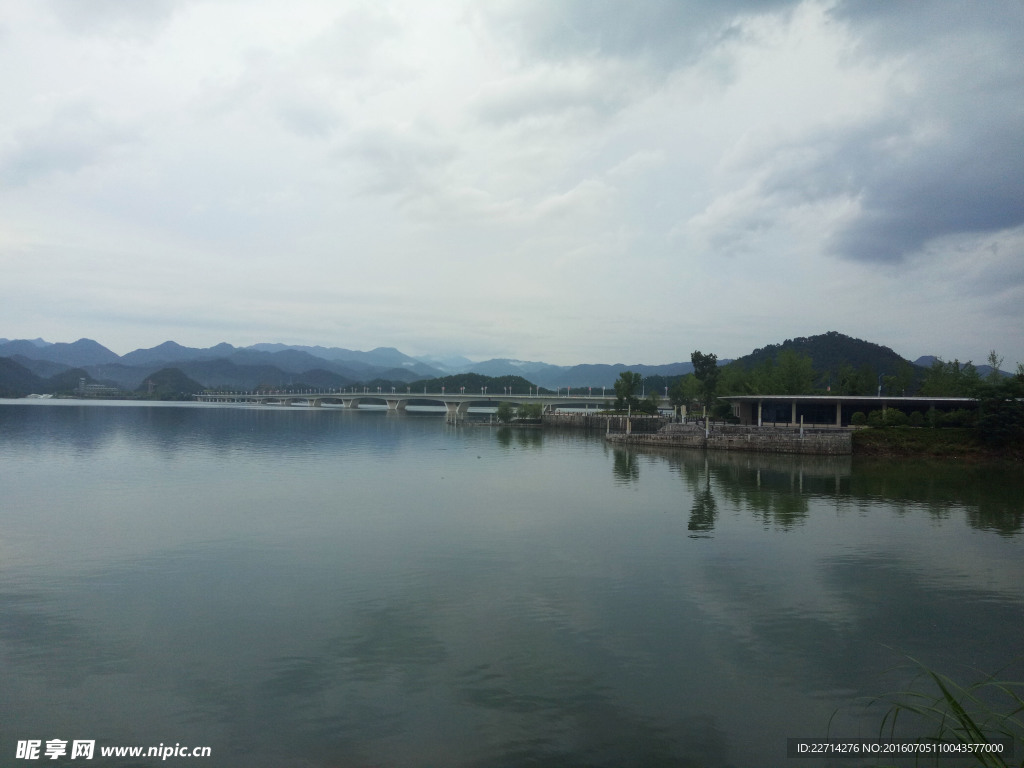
column 886, row 442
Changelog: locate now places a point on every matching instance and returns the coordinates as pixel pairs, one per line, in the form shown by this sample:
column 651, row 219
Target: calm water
column 299, row 587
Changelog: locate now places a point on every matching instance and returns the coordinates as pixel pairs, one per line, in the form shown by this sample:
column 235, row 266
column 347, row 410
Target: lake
column 321, row 587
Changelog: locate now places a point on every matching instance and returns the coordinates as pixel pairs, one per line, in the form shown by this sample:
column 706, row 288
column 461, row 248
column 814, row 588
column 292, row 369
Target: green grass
column 974, row 714
column 957, row 442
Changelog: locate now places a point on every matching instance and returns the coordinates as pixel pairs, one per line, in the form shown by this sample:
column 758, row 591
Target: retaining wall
column 835, row 442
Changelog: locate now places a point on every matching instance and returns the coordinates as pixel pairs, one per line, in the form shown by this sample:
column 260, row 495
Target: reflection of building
column 833, row 410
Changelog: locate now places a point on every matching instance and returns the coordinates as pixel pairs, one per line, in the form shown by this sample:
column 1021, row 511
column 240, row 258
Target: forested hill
column 828, row 352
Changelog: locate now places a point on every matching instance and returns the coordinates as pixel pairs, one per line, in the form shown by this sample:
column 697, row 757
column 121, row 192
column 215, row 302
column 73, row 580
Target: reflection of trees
column 779, row 495
column 703, row 513
column 704, row 510
column 779, row 487
column 528, row 437
column 522, row 437
column 625, row 466
column 989, row 493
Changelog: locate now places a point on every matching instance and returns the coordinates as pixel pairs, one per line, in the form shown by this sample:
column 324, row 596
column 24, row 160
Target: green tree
column 684, row 391
column 951, row 380
column 1001, row 409
column 650, row 403
column 795, row 374
column 734, row 380
column 846, row 380
column 866, row 382
column 625, row 390
column 902, row 379
column 995, row 362
column 505, row 412
column 762, row 378
column 705, row 369
column 530, row 411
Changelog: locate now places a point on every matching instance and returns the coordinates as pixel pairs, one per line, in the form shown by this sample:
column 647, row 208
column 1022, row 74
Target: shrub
column 917, row 419
column 895, row 418
column 958, row 418
column 875, row 419
column 858, row 419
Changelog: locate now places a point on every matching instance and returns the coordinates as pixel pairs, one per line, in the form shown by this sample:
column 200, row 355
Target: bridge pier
column 455, row 411
column 397, row 404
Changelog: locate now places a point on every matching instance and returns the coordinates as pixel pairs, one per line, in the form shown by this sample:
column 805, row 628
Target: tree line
column 999, row 412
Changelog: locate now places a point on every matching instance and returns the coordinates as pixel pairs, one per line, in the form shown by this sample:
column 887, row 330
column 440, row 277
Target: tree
column 951, row 380
column 1001, row 407
column 625, row 390
column 847, row 380
column 762, row 378
column 650, row 403
column 995, row 362
column 903, row 379
column 505, row 412
column 530, row 411
column 684, row 391
column 734, row 380
column 795, row 374
column 705, row 368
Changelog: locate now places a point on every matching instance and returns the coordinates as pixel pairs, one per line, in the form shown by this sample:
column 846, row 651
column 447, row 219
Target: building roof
column 851, row 399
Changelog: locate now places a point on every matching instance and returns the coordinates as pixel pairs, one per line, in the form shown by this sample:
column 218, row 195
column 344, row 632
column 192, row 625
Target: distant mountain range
column 40, row 366
column 224, row 365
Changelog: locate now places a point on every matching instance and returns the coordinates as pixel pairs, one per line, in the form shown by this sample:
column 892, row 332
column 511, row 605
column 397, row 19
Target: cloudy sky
column 568, row 181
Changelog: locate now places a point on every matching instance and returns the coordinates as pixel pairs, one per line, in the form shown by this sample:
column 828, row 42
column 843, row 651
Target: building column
column 839, row 414
column 759, row 412
column 792, row 411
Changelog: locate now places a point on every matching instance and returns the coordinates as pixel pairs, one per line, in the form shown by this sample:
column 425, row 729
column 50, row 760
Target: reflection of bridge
column 456, row 405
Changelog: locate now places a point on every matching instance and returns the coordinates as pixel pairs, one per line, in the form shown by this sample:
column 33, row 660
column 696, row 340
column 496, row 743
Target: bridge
column 456, row 405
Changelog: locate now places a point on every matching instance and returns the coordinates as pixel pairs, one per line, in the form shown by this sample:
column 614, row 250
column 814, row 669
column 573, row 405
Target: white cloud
column 451, row 177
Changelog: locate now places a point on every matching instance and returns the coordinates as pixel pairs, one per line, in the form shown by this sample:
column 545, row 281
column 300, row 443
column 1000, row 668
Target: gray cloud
column 549, row 97
column 895, row 27
column 945, row 159
column 971, row 183
column 128, row 18
column 398, row 161
column 665, row 33
column 308, row 118
column 966, row 175
column 73, row 138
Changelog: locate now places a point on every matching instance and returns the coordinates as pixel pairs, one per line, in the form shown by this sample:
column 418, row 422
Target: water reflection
column 90, row 427
column 519, row 437
column 779, row 489
column 317, row 589
column 704, row 511
column 626, row 467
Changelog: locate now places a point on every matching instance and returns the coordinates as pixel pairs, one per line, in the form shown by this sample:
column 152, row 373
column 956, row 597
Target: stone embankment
column 836, row 442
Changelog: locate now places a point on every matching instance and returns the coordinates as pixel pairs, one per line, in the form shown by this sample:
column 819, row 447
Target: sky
column 577, row 181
